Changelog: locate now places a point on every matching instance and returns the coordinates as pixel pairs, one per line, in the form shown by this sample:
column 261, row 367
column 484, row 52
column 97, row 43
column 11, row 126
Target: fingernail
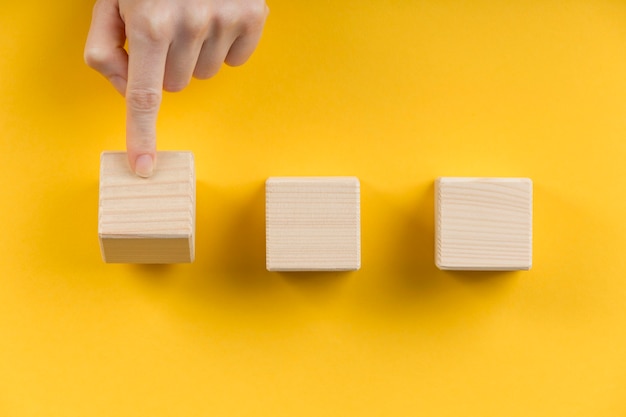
column 144, row 165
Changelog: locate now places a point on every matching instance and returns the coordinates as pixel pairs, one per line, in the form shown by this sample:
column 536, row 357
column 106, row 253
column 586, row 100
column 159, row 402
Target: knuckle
column 255, row 15
column 96, row 58
column 152, row 27
column 143, row 99
column 250, row 17
column 196, row 25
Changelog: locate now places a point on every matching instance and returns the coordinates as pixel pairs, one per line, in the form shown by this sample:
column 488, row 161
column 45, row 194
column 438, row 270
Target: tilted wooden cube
column 147, row 220
column 313, row 224
column 483, row 223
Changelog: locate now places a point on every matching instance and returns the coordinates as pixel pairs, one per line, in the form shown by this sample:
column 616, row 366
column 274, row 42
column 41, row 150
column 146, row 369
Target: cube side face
column 152, row 219
column 313, row 224
column 147, row 250
column 483, row 223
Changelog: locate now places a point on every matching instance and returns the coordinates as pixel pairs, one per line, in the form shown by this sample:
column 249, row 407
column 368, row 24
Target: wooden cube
column 313, row 224
column 483, row 223
column 147, row 220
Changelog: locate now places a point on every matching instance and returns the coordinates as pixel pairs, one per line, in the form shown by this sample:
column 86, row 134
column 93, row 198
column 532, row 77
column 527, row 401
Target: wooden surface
column 147, row 220
column 313, row 224
column 483, row 223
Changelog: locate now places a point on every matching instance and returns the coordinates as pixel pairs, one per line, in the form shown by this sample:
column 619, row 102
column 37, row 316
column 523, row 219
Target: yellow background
column 396, row 93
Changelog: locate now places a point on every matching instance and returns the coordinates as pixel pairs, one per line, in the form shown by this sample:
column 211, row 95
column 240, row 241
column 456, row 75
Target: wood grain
column 483, row 223
column 313, row 224
column 147, row 220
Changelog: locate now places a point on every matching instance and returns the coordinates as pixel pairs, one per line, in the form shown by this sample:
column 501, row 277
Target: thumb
column 104, row 49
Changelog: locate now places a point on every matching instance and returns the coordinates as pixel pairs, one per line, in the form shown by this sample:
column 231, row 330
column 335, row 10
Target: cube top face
column 313, row 224
column 483, row 223
column 147, row 220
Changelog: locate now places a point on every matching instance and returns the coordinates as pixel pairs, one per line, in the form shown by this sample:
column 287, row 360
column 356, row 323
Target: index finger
column 146, row 69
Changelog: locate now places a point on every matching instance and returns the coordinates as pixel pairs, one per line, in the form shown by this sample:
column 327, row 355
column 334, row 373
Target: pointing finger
column 146, row 69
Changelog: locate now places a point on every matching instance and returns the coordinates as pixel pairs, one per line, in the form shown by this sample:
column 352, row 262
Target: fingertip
column 144, row 165
column 242, row 49
column 119, row 83
column 174, row 86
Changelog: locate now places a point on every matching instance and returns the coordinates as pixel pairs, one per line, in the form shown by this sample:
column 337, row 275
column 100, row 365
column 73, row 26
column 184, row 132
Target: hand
column 169, row 41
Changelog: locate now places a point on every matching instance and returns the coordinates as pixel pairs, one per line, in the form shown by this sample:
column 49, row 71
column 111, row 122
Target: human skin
column 146, row 46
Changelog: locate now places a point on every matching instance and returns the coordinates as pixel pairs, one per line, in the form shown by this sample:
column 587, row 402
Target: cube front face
column 313, row 224
column 483, row 223
column 147, row 220
column 168, row 250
